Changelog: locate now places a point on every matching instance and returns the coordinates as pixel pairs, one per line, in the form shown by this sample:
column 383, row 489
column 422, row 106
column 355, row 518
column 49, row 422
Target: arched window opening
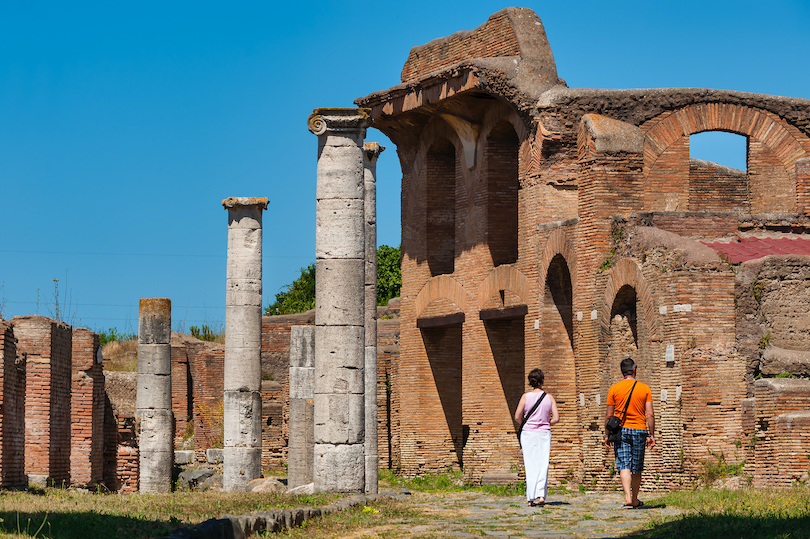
column 501, row 158
column 558, row 283
column 718, row 180
column 720, row 147
column 441, row 207
column 623, row 320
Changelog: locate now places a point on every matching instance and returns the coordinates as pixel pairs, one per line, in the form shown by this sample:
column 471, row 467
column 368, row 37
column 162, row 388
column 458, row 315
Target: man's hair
column 536, row 378
column 627, row 366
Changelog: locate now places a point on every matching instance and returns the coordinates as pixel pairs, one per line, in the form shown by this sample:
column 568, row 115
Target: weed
column 716, row 467
column 212, row 417
column 758, row 287
column 206, row 333
column 763, row 343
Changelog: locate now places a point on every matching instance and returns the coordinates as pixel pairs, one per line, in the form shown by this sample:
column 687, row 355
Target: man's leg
column 627, row 479
column 635, row 485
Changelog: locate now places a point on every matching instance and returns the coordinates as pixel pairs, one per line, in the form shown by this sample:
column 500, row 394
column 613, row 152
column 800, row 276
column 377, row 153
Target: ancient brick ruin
column 561, row 228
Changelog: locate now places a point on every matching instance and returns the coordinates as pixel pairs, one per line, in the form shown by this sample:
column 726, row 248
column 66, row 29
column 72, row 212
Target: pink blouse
column 539, row 421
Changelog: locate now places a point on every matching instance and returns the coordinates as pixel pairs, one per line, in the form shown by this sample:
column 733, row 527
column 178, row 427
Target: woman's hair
column 536, row 378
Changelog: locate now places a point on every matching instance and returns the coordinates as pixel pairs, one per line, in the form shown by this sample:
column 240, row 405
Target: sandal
column 640, row 504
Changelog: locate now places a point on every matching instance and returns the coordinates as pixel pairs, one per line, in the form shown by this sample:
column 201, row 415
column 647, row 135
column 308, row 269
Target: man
column 637, row 430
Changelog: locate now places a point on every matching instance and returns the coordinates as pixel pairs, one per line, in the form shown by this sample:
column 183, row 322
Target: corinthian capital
column 324, row 119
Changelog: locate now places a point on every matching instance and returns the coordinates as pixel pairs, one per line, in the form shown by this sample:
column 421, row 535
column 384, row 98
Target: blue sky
column 123, row 126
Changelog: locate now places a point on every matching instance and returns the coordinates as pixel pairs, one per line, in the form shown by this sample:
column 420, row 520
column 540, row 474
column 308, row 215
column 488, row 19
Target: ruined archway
column 774, row 146
column 501, row 174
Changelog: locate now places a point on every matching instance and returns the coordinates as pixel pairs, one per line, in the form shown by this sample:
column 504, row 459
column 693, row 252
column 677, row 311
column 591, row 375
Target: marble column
column 340, row 250
column 153, row 403
column 371, row 151
column 242, row 422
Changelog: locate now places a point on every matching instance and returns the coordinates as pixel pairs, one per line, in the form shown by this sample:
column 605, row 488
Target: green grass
column 449, row 481
column 734, row 513
column 69, row 514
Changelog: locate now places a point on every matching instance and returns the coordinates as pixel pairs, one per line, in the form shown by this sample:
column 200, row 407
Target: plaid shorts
column 630, row 452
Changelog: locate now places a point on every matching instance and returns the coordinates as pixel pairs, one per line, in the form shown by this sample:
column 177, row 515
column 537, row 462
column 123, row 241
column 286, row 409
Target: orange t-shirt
column 636, row 412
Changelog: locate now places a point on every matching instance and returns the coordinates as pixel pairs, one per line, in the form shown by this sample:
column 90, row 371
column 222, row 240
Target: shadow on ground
column 81, row 525
column 719, row 526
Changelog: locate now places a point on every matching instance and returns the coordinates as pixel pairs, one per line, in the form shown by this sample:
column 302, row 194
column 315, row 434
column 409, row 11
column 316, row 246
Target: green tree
column 299, row 296
column 389, row 273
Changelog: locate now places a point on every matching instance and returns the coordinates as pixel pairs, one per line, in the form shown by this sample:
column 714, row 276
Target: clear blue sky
column 123, row 125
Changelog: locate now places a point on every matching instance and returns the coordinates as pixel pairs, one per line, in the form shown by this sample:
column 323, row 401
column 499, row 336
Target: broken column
column 301, row 424
column 153, row 404
column 242, row 452
column 339, row 464
column 371, row 151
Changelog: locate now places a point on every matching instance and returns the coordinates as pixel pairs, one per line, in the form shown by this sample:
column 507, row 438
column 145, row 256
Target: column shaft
column 154, row 396
column 242, row 402
column 340, row 246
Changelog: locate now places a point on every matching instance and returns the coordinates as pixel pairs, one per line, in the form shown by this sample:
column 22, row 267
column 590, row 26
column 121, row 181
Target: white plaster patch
column 579, row 316
column 663, row 395
column 677, row 393
column 670, row 354
column 598, row 399
column 662, row 309
column 537, row 324
column 682, row 308
column 593, row 314
column 582, row 399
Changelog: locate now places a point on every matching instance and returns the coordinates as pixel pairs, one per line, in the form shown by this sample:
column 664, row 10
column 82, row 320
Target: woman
column 535, row 439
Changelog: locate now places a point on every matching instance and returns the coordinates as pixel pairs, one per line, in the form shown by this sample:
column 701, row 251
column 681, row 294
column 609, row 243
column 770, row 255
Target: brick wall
column 86, row 410
column 182, row 391
column 274, row 443
column 207, row 362
column 46, row 344
column 495, row 38
column 12, row 410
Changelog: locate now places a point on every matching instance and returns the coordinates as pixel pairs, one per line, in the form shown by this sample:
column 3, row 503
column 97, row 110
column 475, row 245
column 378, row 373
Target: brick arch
column 503, row 278
column 558, row 243
column 436, row 129
column 628, row 272
column 441, row 287
column 784, row 140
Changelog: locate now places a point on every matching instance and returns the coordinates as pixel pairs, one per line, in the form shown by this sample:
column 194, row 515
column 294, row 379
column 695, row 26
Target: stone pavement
column 477, row 514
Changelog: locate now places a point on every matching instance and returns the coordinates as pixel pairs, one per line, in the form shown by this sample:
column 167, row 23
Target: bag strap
column 527, row 416
column 624, row 414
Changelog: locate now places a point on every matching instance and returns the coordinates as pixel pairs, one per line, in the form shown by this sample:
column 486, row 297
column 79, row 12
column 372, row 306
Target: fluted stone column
column 154, row 395
column 242, row 422
column 340, row 251
column 371, row 151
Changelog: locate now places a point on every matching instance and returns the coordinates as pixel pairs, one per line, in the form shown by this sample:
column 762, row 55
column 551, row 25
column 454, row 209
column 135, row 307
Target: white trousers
column 536, row 450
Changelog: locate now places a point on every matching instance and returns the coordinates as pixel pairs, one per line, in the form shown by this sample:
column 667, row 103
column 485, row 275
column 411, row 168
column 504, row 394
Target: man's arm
column 650, row 416
column 608, row 415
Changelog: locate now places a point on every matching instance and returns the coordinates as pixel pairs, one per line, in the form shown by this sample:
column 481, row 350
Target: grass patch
column 121, row 355
column 734, row 513
column 449, row 481
column 69, row 514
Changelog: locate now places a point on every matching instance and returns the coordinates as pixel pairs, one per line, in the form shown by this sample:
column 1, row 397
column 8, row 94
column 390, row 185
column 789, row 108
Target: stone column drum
column 242, row 453
column 301, row 447
column 371, row 151
column 340, row 251
column 153, row 403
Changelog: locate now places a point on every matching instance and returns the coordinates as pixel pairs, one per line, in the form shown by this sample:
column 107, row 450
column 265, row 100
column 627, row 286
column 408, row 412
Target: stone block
column 155, row 359
column 244, row 409
column 155, row 474
column 157, row 431
column 243, row 326
column 302, row 346
column 154, row 392
column 183, row 457
column 339, row 229
column 213, row 455
column 339, row 419
column 302, row 382
column 339, row 468
column 242, row 369
column 301, row 442
column 155, row 321
column 240, row 292
column 240, row 466
column 340, row 292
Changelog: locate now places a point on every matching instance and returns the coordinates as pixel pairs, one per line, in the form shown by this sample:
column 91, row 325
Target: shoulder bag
column 614, row 426
column 527, row 416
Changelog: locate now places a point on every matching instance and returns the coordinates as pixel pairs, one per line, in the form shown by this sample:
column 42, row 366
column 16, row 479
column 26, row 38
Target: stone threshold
column 240, row 527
